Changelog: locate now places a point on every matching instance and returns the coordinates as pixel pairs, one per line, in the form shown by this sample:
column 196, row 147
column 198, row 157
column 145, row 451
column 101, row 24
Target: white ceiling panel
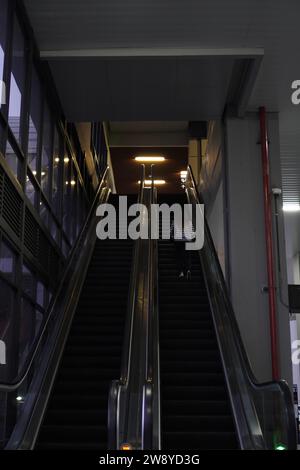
column 178, row 89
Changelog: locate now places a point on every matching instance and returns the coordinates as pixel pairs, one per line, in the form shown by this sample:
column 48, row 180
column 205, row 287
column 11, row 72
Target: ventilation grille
column 12, row 204
column 35, row 240
column 31, row 233
column 38, row 245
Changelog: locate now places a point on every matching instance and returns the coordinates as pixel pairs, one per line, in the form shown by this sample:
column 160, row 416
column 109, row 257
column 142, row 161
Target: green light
column 280, row 447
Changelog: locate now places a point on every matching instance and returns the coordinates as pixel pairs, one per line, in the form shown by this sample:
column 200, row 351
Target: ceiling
column 127, row 170
column 148, row 133
column 95, row 30
column 142, row 89
column 172, row 60
column 148, row 126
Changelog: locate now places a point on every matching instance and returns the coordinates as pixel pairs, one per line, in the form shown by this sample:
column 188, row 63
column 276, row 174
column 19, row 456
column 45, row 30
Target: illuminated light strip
column 291, row 207
column 156, row 182
column 149, row 159
column 183, row 173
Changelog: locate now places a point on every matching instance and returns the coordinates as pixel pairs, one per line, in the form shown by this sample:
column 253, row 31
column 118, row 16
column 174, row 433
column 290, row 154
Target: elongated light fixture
column 149, row 159
column 291, row 207
column 156, row 182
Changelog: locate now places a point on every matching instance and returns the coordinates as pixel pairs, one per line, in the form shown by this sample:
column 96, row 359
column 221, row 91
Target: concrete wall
column 212, row 188
column 216, row 223
column 292, row 234
column 247, row 253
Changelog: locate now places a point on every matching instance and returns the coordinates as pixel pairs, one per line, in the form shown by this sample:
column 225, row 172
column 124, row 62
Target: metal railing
column 37, row 376
column 151, row 434
column 133, row 407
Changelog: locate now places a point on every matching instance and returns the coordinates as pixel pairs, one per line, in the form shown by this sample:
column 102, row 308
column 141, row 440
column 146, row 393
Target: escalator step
column 196, row 411
column 199, row 440
column 76, row 416
column 213, row 407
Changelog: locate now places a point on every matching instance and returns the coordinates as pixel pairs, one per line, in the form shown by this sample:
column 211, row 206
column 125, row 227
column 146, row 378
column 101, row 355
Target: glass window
column 67, row 195
column 38, row 321
column 74, row 200
column 56, row 172
column 28, row 281
column 17, row 80
column 44, row 212
column 27, row 330
column 53, row 229
column 46, row 149
column 1, row 138
column 80, row 209
column 7, row 296
column 13, row 160
column 31, row 191
column 34, row 121
column 3, row 31
column 65, row 248
column 8, row 262
column 41, row 294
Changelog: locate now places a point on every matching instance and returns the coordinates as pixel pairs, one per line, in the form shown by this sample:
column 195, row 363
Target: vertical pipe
column 269, row 240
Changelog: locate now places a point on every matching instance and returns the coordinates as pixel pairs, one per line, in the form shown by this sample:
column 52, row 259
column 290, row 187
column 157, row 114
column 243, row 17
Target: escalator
column 76, row 417
column 143, row 358
column 196, row 412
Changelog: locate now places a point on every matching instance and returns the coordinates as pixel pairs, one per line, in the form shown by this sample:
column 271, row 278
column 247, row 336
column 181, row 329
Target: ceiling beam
column 149, row 139
column 154, row 52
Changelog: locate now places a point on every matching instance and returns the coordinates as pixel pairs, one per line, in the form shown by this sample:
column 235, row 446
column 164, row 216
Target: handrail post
column 269, row 240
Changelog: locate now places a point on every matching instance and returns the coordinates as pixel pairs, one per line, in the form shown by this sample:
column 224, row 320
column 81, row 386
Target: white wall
column 247, row 243
column 215, row 221
column 292, row 235
column 211, row 187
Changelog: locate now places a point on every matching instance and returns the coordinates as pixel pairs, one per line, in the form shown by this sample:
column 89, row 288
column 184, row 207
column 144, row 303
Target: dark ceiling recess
column 127, row 170
column 198, row 130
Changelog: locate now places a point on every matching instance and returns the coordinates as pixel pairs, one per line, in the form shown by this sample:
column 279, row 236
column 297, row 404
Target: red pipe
column 269, row 240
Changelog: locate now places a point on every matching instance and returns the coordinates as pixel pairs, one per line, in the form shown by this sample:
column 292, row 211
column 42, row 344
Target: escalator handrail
column 128, row 330
column 133, row 399
column 151, row 419
column 246, row 367
column 117, row 387
column 14, row 385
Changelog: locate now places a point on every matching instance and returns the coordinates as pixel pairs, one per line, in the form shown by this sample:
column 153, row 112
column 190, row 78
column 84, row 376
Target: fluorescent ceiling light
column 149, row 159
column 291, row 207
column 156, row 182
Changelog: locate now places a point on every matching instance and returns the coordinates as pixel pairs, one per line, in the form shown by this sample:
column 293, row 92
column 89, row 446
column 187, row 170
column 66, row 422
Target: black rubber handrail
column 115, row 414
column 14, row 385
column 151, row 431
column 126, row 351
